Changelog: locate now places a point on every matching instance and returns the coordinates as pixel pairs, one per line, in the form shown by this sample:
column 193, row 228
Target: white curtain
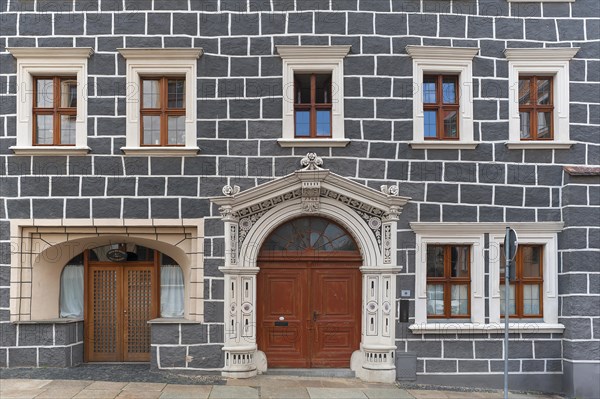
column 171, row 291
column 71, row 291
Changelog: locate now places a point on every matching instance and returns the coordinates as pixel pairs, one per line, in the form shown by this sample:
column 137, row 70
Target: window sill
column 54, row 150
column 174, row 320
column 313, row 142
column 61, row 320
column 443, row 145
column 161, row 151
column 453, row 328
column 539, row 145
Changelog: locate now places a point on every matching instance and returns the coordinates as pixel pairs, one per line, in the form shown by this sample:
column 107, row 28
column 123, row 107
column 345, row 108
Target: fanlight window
column 310, row 234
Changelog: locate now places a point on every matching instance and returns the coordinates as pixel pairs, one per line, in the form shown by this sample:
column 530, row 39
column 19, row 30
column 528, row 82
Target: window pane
column 430, row 123
column 323, row 87
column 460, row 261
column 450, row 124
column 429, row 95
column 302, row 123
column 67, row 129
column 176, row 92
column 511, row 300
column 68, row 93
column 151, row 130
column 435, row 261
column 531, row 261
column 449, row 91
column 171, row 289
column 44, row 132
column 544, row 96
column 302, row 88
column 524, row 91
column 176, row 133
column 45, row 93
column 435, row 299
column 544, row 122
column 71, row 291
column 531, row 299
column 459, row 299
column 151, row 89
column 525, row 133
column 323, row 123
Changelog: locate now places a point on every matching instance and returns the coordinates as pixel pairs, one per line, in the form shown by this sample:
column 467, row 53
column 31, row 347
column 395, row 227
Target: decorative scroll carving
column 311, row 191
column 387, row 244
column 390, row 190
column 230, row 191
column 311, row 162
column 233, row 232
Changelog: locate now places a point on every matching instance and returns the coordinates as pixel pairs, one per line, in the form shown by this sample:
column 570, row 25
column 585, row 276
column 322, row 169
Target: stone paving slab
column 267, row 392
column 22, row 384
column 233, row 392
column 186, row 391
column 386, row 393
column 335, row 393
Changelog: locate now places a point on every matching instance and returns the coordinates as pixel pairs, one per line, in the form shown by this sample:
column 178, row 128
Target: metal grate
column 105, row 304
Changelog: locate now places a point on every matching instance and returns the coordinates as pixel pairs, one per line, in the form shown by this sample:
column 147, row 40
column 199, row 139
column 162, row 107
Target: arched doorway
column 309, row 295
column 124, row 286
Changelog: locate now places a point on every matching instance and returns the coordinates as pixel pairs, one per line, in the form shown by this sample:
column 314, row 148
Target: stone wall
column 239, row 120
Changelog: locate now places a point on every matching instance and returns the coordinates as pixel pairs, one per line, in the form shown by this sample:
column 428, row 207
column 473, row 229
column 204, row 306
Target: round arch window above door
column 120, row 287
column 309, row 295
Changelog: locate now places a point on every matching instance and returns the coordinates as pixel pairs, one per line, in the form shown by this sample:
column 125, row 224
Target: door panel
column 104, row 337
column 282, row 294
column 320, row 303
column 336, row 302
column 138, row 309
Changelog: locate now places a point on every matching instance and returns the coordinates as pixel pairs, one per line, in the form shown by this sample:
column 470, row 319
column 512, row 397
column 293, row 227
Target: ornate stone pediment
column 310, row 184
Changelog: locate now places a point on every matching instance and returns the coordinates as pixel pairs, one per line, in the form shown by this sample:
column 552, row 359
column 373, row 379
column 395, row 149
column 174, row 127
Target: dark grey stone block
column 426, row 171
column 194, row 334
column 520, row 349
column 390, row 24
column 458, row 349
column 172, row 356
column 459, row 213
column 165, row 166
column 129, row 23
column 55, row 357
column 357, row 65
column 182, row 186
column 245, row 23
column 194, row 207
column 22, row 357
column 491, row 349
column 476, row 194
column 214, row 24
column 49, row 166
column 260, row 46
column 470, row 366
column 533, row 365
column 509, row 28
column 460, row 172
column 8, row 331
column 548, row 349
column 362, row 23
column 452, row 25
column 135, row 208
column 537, row 196
column 359, row 108
column 245, row 109
column 394, row 65
column 442, row 192
column 581, row 350
column 120, row 186
column 397, row 170
column 425, row 348
column 273, row 24
column 422, row 25
column 328, row 22
column 158, row 24
column 167, row 334
column 300, row 22
column 371, row 169
column 520, row 215
column 68, row 23
column 580, row 261
column 213, row 312
column 17, row 209
column 479, row 27
column 106, row 208
column 440, row 366
column 429, row 213
column 35, row 24
column 206, row 356
column 151, row 186
column 167, row 208
column 185, row 24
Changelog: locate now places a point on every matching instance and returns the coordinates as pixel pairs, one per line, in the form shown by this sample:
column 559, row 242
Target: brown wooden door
column 309, row 312
column 121, row 299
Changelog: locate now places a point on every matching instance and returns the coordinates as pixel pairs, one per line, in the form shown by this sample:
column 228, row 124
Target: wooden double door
column 309, row 312
column 120, row 299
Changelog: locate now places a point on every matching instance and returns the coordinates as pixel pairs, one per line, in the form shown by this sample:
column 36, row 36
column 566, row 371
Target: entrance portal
column 309, row 295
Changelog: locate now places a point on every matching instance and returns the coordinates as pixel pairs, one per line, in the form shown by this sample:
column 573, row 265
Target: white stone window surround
column 313, row 59
column 528, row 233
column 49, row 61
column 444, row 60
column 543, row 62
column 41, row 248
column 160, row 62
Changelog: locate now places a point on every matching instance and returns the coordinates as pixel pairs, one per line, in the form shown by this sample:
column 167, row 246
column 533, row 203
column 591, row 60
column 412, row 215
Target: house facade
column 235, row 186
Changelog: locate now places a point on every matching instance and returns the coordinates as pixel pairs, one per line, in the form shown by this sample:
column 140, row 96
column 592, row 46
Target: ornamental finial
column 311, row 162
column 230, row 191
column 390, row 190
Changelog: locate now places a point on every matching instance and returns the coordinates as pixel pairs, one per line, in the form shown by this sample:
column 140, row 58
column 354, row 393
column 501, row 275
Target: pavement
column 263, row 386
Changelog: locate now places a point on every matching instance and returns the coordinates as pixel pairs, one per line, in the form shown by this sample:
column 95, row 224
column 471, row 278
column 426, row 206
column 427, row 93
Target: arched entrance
column 309, row 295
column 123, row 286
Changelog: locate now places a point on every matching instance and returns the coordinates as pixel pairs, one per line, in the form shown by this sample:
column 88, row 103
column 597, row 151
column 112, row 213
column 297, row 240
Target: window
column 539, row 97
column 163, row 111
column 71, row 289
column 525, row 292
column 443, row 98
column 448, row 281
column 313, row 91
column 535, row 107
column 51, row 103
column 312, row 105
column 171, row 288
column 440, row 107
column 54, row 110
column 161, row 103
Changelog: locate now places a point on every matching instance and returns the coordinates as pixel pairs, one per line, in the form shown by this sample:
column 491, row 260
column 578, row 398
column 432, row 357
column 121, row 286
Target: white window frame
column 313, row 59
column 49, row 61
column 473, row 234
column 162, row 62
column 443, row 60
column 542, row 62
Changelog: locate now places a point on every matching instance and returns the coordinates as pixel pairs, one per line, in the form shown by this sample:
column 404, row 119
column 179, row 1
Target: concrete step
column 334, row 373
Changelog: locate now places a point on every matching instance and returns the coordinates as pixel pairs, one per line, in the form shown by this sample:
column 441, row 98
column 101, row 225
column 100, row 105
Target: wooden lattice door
column 121, row 299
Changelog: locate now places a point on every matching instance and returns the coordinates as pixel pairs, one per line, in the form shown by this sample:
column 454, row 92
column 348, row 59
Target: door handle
column 315, row 315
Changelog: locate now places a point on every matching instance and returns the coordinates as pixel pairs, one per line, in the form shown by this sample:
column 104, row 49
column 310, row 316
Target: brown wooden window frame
column 521, row 281
column 56, row 110
column 447, row 281
column 313, row 106
column 441, row 107
column 533, row 108
column 163, row 110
